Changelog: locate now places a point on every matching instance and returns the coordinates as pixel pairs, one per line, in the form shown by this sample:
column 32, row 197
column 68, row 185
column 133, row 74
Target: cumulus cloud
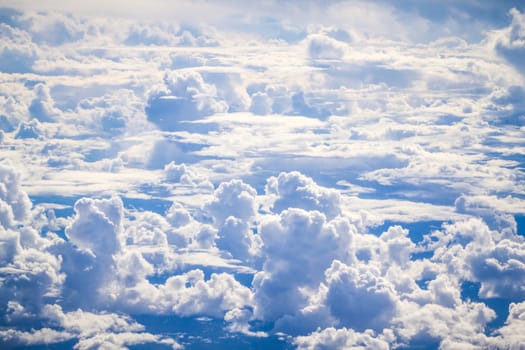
column 322, row 47
column 289, row 241
column 474, row 252
column 14, row 202
column 215, row 216
column 90, row 330
column 17, row 51
column 183, row 175
column 29, row 130
column 113, row 114
column 184, row 96
column 233, row 198
column 295, row 190
column 511, row 43
column 357, row 291
column 343, row 338
column 42, row 107
column 95, row 237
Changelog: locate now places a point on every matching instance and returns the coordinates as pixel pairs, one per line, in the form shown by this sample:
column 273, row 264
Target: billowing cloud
column 511, row 44
column 295, row 190
column 183, row 97
column 174, row 173
column 14, row 202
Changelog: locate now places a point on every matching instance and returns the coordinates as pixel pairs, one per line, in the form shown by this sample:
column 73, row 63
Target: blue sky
column 274, row 174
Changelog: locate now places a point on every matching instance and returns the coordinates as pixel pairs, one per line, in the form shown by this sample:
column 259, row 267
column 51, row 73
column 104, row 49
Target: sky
column 262, row 175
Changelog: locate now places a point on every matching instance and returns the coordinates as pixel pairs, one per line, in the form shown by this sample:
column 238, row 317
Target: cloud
column 97, row 226
column 55, row 29
column 94, row 238
column 295, row 190
column 42, row 107
column 113, row 114
column 14, row 202
column 357, row 291
column 236, row 237
column 289, row 241
column 89, row 329
column 232, row 199
column 343, row 338
column 29, row 130
column 476, row 253
column 183, row 96
column 363, row 173
column 183, row 175
column 511, row 43
column 17, row 51
column 509, row 334
column 322, row 47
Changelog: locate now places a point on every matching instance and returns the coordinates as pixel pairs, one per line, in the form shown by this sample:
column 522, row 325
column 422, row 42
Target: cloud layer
column 304, row 179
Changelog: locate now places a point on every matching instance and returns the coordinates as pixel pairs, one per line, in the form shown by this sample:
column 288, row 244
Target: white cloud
column 357, row 291
column 17, row 52
column 233, row 198
column 343, row 338
column 183, row 96
column 351, row 126
column 295, row 190
column 42, row 107
column 474, row 252
column 182, row 174
column 510, row 334
column 321, row 47
column 511, row 40
column 289, row 241
column 14, row 202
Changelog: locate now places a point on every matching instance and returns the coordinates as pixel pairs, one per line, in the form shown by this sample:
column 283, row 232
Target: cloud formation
column 282, row 177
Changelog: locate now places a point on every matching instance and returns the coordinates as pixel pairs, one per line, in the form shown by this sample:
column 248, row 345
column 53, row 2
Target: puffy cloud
column 29, row 130
column 232, row 198
column 91, row 330
column 17, row 51
column 261, row 103
column 185, row 294
column 147, row 228
column 143, row 34
column 295, row 190
column 55, row 28
column 495, row 212
column 510, row 335
column 113, row 114
column 177, row 215
column 190, row 294
column 42, row 107
column 476, row 253
column 461, row 325
column 13, row 337
column 230, row 88
column 354, row 292
column 95, row 236
column 14, row 202
column 425, row 122
column 236, row 237
column 97, row 226
column 290, row 275
column 511, row 44
column 182, row 174
column 344, row 338
column 322, row 47
column 170, row 34
column 184, row 96
column 508, row 105
column 29, row 277
column 233, row 207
